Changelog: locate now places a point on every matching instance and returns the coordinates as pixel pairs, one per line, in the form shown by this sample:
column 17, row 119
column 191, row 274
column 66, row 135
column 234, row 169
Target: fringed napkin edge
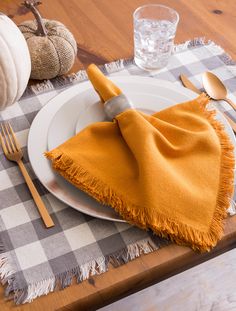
column 179, row 233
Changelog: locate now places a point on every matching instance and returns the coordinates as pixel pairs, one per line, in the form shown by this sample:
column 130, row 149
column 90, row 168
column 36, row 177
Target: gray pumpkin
column 52, row 46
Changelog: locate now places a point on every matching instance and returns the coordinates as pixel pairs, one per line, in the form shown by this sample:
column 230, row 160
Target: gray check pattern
column 33, row 260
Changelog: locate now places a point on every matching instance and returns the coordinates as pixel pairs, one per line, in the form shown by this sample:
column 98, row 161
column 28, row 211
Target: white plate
column 147, row 94
column 76, row 108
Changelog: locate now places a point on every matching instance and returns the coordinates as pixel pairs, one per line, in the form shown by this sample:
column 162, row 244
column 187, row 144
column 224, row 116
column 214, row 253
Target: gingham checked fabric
column 33, row 260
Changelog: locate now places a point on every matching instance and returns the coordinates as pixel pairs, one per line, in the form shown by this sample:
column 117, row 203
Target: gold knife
column 189, row 85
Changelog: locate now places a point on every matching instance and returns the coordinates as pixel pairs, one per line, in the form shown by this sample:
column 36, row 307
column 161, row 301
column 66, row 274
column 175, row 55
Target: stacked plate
column 74, row 109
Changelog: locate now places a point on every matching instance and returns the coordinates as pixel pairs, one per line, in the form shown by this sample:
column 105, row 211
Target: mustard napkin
column 171, row 172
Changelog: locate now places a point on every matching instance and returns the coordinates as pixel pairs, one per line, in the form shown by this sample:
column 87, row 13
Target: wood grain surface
column 209, row 286
column 103, row 30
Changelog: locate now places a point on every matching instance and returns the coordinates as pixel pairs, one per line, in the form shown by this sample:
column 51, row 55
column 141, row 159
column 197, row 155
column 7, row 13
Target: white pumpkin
column 15, row 64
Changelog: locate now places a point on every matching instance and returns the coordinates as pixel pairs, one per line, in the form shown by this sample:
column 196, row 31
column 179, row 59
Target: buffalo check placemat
column 33, row 260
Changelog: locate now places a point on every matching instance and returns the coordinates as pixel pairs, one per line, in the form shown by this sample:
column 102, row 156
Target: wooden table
column 103, row 30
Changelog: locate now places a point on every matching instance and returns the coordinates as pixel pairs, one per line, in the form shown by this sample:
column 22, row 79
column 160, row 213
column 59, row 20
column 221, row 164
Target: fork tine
column 9, row 150
column 3, row 144
column 9, row 138
column 14, row 137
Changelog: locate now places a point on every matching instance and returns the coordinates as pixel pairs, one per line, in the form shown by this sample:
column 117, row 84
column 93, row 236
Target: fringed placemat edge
column 81, row 75
column 27, row 294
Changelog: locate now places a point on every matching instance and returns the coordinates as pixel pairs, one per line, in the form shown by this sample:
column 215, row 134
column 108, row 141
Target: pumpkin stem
column 31, row 5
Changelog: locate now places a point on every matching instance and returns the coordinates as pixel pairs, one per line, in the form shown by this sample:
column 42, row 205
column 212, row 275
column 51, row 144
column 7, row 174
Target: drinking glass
column 154, row 32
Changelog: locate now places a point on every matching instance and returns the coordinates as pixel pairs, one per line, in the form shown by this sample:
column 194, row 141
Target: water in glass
column 153, row 42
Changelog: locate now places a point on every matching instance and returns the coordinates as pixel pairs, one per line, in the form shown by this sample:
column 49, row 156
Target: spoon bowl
column 215, row 88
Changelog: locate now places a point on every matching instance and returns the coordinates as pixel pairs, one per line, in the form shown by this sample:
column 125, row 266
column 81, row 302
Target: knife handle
column 231, row 122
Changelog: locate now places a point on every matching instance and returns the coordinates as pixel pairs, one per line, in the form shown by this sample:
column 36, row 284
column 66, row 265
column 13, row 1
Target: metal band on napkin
column 116, row 105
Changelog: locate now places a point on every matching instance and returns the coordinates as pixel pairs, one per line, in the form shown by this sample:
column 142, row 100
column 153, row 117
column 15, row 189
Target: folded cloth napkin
column 171, row 172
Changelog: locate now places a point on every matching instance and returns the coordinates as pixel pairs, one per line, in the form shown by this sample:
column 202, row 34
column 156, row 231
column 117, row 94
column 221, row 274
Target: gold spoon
column 215, row 88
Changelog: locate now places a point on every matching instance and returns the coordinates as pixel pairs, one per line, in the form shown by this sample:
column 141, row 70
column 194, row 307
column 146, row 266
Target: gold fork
column 13, row 152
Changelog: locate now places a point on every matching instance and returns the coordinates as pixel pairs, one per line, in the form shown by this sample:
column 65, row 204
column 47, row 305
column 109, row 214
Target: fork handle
column 37, row 199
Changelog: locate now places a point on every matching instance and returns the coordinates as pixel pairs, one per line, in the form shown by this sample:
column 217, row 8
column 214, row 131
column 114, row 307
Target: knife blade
column 189, row 85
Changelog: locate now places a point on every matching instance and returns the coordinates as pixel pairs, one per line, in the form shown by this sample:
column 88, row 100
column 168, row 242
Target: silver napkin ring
column 116, row 105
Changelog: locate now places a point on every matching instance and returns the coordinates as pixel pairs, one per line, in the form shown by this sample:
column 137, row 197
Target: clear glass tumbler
column 154, row 32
